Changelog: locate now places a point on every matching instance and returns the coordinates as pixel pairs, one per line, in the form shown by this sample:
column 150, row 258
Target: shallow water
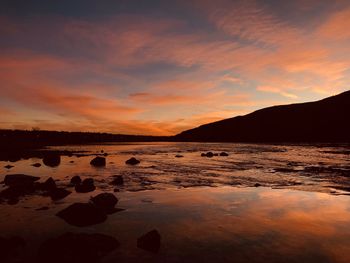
column 205, row 209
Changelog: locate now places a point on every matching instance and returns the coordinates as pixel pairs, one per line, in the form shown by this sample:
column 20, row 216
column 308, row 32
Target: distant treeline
column 10, row 139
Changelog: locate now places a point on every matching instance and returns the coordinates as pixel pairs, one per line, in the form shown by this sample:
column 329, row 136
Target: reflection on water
column 204, row 224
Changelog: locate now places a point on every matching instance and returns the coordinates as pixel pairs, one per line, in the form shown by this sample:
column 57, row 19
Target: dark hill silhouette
column 327, row 120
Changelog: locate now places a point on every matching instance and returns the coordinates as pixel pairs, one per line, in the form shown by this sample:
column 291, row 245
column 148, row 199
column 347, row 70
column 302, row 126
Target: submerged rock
column 179, row 156
column 9, row 247
column 82, row 214
column 75, row 180
column 59, row 193
column 223, row 154
column 118, row 180
column 86, row 186
column 8, row 166
column 77, row 247
column 150, row 241
column 98, row 161
column 257, row 184
column 105, row 201
column 52, row 159
column 132, row 161
column 209, row 154
column 36, row 164
column 20, row 180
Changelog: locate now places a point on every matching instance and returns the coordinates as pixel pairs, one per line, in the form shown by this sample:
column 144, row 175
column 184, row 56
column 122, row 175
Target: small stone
column 150, row 241
column 98, row 161
column 132, row 161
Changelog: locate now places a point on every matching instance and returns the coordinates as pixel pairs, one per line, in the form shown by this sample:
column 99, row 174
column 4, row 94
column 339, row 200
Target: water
column 205, row 209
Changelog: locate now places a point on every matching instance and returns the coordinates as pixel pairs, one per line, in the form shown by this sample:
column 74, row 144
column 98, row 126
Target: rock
column 9, row 247
column 49, row 184
column 77, row 247
column 71, row 161
column 86, row 186
column 52, row 159
column 118, row 180
column 98, row 161
column 203, row 154
column 223, row 154
column 132, row 161
column 36, row 164
column 257, row 185
column 82, row 214
column 75, row 180
column 179, row 156
column 150, row 241
column 8, row 166
column 59, row 193
column 209, row 154
column 105, row 201
column 20, row 180
column 13, row 193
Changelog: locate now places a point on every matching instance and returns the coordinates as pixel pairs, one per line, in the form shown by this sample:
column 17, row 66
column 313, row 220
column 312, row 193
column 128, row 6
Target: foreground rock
column 86, row 186
column 82, row 214
column 75, row 180
column 132, row 161
column 208, row 154
column 52, row 159
column 105, row 201
column 118, row 180
column 20, row 180
column 77, row 247
column 98, row 161
column 150, row 241
column 10, row 247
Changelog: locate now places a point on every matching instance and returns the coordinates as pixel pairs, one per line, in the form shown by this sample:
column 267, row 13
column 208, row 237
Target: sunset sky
column 160, row 67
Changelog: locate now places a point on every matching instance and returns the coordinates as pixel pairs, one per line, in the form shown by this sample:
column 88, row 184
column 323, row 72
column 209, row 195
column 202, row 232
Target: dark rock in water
column 77, row 247
column 216, row 154
column 257, row 185
column 105, row 201
column 59, row 193
column 118, row 180
column 42, row 208
column 20, row 179
column 36, row 164
column 49, row 184
column 179, row 156
column 9, row 247
column 13, row 193
column 98, row 161
column 52, row 159
column 82, row 214
column 209, row 154
column 203, row 154
column 105, row 154
column 8, row 166
column 71, row 161
column 223, row 154
column 132, row 161
column 150, row 241
column 86, row 186
column 75, row 180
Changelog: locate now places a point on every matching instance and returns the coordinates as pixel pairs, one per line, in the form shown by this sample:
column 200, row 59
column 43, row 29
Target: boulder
column 75, row 180
column 52, row 159
column 76, row 247
column 82, row 214
column 223, row 154
column 20, row 180
column 59, row 193
column 132, row 161
column 87, row 185
column 150, row 241
column 98, row 161
column 9, row 247
column 105, row 202
column 118, row 180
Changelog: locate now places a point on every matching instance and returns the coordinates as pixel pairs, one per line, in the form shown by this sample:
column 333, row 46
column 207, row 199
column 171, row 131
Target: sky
column 158, row 67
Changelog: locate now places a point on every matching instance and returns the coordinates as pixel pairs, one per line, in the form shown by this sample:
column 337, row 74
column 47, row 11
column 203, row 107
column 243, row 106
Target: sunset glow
column 161, row 67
